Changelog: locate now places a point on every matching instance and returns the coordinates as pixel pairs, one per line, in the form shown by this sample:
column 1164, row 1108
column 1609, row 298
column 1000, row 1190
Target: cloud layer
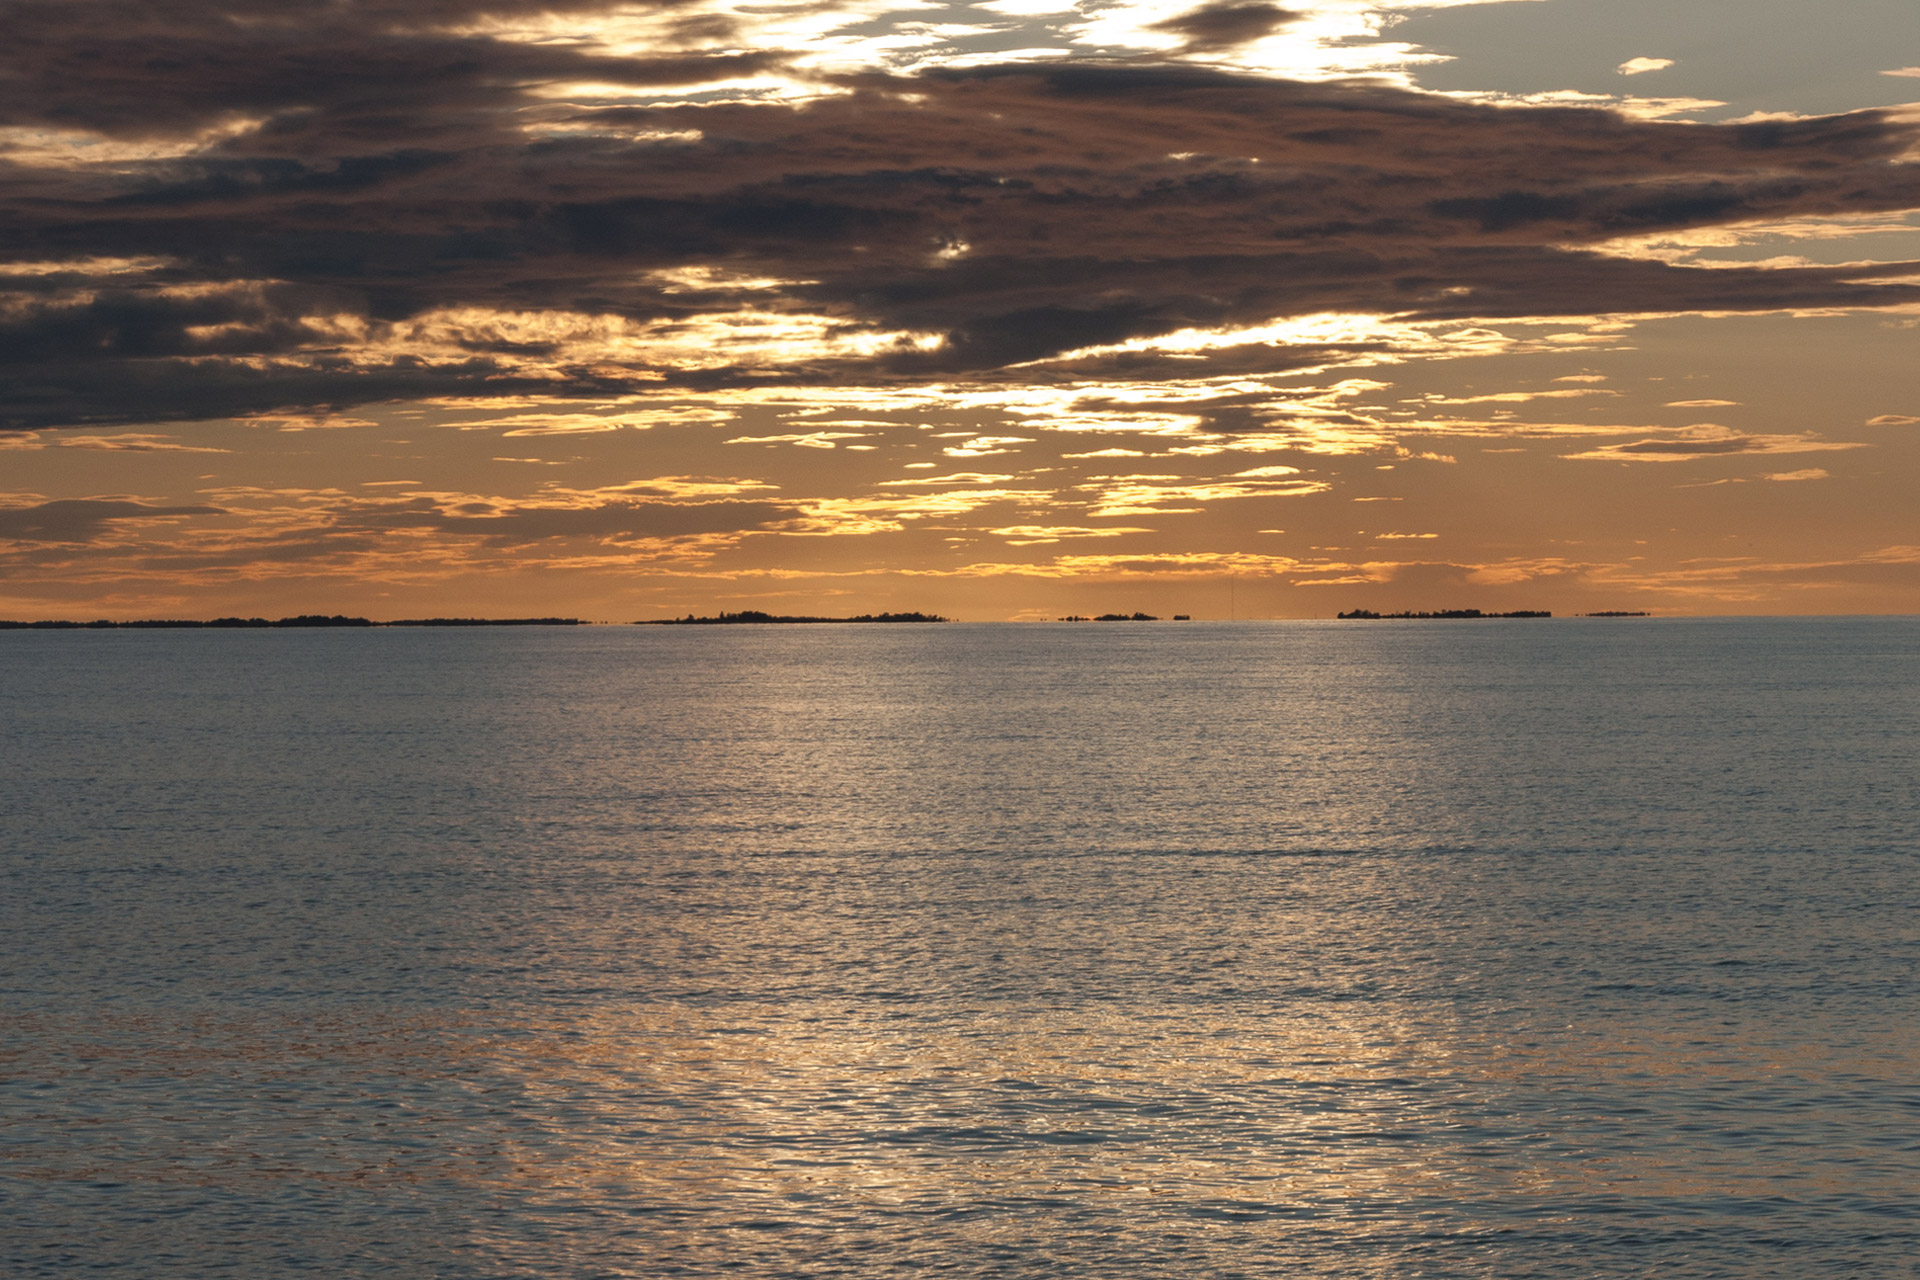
column 357, row 300
column 226, row 207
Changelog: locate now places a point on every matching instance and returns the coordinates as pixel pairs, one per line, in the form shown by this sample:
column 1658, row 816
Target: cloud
column 1640, row 66
column 519, row 524
column 569, row 424
column 1225, row 24
column 414, row 537
column 296, row 422
column 682, row 487
column 124, row 442
column 82, row 520
column 1742, row 579
column 1027, row 535
column 1710, row 441
column 1523, row 397
column 402, row 69
column 957, row 477
column 303, row 209
column 1146, row 495
column 985, row 446
column 806, row 440
column 1892, row 420
column 1161, row 564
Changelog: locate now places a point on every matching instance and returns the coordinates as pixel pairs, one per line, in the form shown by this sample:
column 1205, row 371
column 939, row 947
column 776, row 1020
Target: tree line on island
column 1370, row 615
column 1124, row 617
column 300, row 620
column 744, row 617
column 754, row 617
column 748, row 616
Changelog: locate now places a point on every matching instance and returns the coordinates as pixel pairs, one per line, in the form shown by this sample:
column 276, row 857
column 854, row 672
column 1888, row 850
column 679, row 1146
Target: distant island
column 1116, row 617
column 754, row 617
column 303, row 620
column 1445, row 613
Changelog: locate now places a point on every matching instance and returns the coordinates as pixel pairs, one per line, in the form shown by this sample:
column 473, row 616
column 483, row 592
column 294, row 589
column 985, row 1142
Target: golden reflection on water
column 795, row 978
column 938, row 1125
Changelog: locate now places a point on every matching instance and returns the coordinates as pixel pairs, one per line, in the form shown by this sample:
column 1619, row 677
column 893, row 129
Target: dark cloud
column 81, row 520
column 120, row 323
column 381, row 165
column 129, row 68
column 1218, row 26
column 1014, row 337
column 78, row 393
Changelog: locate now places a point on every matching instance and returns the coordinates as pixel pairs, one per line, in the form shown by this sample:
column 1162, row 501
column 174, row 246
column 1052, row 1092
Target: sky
column 1007, row 310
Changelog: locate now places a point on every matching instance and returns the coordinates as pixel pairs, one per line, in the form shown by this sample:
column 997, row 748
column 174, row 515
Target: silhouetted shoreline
column 1370, row 615
column 303, row 620
column 754, row 617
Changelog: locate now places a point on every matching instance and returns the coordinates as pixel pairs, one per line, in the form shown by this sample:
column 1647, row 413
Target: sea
column 1501, row 948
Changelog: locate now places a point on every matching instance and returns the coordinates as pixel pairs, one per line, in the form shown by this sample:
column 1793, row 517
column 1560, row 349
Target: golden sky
column 999, row 310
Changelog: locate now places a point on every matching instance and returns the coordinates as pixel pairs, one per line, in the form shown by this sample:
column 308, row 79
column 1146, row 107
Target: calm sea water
column 1582, row 948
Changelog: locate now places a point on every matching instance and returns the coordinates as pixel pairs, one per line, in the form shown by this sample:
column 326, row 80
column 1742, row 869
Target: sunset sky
column 1000, row 310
